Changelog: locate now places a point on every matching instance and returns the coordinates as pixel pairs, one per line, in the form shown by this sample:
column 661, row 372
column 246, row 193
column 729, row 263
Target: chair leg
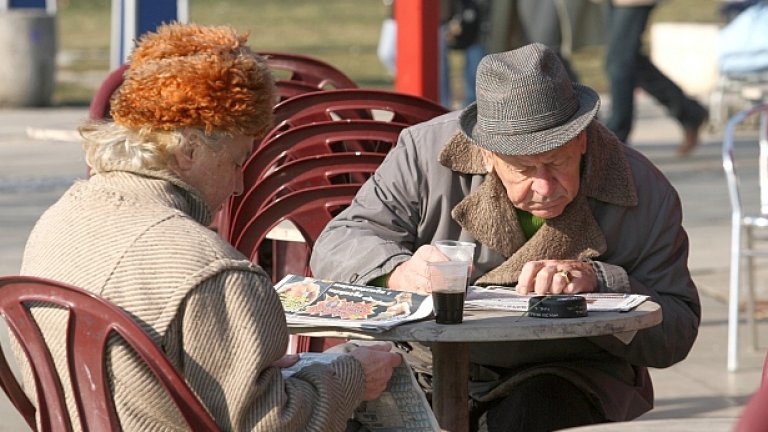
column 298, row 344
column 749, row 282
column 289, row 257
column 716, row 104
column 733, row 297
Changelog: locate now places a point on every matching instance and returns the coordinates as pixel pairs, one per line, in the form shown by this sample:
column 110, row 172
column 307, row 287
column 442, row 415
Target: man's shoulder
column 643, row 168
column 447, row 120
column 430, row 136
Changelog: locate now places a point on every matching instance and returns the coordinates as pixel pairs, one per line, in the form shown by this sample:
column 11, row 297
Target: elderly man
column 555, row 203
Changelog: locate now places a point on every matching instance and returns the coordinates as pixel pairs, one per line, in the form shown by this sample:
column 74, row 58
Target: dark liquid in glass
column 449, row 307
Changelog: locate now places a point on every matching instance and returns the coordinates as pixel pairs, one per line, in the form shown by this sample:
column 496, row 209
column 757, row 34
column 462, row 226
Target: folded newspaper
column 315, row 302
column 505, row 298
column 401, row 407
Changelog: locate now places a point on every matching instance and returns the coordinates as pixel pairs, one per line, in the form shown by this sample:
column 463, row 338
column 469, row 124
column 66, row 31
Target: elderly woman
column 193, row 100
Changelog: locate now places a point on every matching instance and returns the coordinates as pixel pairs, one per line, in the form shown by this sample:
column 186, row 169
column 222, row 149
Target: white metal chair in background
column 749, row 223
column 742, row 61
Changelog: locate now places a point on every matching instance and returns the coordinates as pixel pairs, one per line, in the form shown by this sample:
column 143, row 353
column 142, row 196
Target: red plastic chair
column 353, row 104
column 92, row 320
column 332, row 106
column 100, row 104
column 288, row 89
column 320, row 170
column 308, row 70
column 321, row 138
column 311, row 140
column 308, row 209
column 753, row 417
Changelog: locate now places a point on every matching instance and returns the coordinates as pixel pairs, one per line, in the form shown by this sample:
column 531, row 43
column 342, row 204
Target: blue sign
column 152, row 13
column 48, row 5
column 132, row 18
column 27, row 4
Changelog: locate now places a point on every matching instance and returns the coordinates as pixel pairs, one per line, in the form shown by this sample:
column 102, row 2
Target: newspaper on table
column 506, row 299
column 401, row 407
column 315, row 302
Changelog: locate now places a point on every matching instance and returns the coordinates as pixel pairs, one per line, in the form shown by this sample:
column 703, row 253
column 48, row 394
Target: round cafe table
column 450, row 344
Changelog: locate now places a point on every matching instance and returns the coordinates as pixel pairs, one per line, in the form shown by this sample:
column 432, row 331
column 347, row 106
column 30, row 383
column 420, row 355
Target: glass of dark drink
column 448, row 281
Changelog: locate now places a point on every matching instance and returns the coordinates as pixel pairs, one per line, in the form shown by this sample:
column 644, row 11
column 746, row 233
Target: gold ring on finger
column 565, row 275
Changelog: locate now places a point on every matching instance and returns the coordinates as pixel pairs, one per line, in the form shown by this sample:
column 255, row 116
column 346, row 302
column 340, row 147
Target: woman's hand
column 287, row 360
column 378, row 365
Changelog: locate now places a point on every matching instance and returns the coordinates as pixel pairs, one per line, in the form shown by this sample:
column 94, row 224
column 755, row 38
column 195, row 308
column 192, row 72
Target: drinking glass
column 448, row 281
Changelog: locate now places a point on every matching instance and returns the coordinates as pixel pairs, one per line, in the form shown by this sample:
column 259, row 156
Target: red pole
column 418, row 22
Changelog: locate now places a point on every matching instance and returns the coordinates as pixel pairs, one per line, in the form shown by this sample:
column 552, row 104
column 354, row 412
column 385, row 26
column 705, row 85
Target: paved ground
column 35, row 171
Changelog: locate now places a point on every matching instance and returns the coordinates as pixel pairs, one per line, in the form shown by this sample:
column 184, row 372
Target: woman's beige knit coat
column 140, row 240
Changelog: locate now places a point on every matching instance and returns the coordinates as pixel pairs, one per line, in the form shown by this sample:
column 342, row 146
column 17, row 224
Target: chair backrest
column 100, row 103
column 305, row 141
column 729, row 161
column 288, row 89
column 320, row 170
column 92, row 320
column 307, row 69
column 353, row 104
column 320, row 138
column 308, row 209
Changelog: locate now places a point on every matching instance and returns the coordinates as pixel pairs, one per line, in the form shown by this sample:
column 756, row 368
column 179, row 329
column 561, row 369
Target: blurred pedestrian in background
column 628, row 67
column 564, row 26
column 463, row 27
column 540, row 21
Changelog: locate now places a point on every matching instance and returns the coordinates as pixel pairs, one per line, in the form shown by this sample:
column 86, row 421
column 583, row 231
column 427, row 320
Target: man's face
column 542, row 184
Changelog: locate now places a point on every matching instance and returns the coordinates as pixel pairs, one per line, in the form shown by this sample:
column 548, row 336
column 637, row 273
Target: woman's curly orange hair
column 189, row 75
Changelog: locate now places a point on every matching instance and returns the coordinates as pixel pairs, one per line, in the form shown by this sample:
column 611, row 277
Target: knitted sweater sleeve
column 232, row 329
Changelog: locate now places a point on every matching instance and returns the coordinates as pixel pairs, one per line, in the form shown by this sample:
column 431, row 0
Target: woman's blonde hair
column 109, row 145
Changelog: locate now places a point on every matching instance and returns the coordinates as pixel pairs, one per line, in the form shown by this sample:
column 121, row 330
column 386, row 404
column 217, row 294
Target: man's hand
column 412, row 274
column 557, row 277
column 378, row 364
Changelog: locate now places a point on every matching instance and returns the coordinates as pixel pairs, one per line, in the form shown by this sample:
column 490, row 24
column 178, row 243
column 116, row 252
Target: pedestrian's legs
column 688, row 112
column 472, row 56
column 625, row 30
column 540, row 22
column 543, row 403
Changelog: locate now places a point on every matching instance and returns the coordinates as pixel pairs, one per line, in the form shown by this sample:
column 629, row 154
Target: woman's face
column 215, row 174
column 542, row 184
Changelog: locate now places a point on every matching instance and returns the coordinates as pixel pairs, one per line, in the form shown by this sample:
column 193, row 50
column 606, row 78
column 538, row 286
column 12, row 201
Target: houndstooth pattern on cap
column 526, row 103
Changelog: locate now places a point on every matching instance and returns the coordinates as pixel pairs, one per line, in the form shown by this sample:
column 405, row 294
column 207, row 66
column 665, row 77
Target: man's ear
column 583, row 141
column 487, row 159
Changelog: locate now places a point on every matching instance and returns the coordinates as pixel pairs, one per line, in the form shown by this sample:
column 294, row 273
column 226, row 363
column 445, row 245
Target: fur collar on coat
column 489, row 216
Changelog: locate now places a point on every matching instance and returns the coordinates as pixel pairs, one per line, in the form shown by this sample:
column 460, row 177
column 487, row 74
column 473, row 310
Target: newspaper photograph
column 316, row 302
